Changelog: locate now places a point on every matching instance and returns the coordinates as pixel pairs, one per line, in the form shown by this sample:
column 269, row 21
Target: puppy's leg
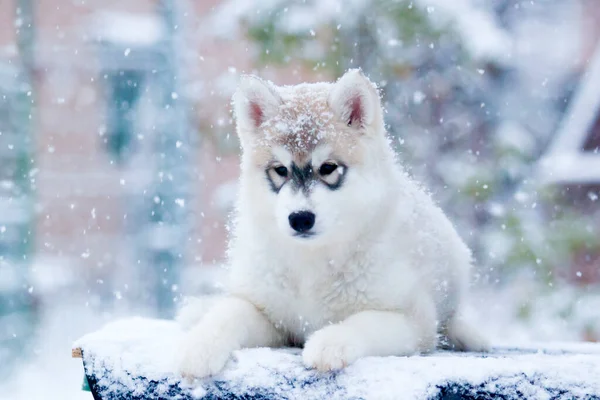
column 462, row 336
column 194, row 309
column 231, row 324
column 369, row 333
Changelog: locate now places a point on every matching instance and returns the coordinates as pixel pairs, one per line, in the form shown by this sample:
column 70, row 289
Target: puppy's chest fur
column 305, row 297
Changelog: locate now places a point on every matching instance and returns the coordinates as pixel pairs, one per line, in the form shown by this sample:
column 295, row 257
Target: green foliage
column 523, row 251
column 524, row 311
column 572, row 233
column 275, row 45
column 278, row 45
column 479, row 187
column 410, row 20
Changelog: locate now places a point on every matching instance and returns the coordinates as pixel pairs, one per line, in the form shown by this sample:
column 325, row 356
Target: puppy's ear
column 254, row 102
column 355, row 100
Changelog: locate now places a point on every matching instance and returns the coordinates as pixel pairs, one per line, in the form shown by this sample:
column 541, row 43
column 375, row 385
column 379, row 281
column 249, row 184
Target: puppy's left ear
column 254, row 102
column 355, row 100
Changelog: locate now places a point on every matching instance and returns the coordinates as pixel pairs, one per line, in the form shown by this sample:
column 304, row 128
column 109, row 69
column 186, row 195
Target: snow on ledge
column 136, row 358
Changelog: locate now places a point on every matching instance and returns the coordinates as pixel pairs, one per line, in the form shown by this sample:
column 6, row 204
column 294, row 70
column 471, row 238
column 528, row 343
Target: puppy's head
column 314, row 155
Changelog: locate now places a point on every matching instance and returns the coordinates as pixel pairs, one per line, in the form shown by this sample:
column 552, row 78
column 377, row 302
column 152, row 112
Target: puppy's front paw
column 203, row 355
column 332, row 348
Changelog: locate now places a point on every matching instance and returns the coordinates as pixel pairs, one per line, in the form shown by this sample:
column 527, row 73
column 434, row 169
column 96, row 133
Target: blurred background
column 118, row 154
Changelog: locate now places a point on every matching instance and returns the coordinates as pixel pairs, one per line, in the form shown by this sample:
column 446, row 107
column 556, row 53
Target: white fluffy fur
column 349, row 87
column 384, row 275
column 254, row 92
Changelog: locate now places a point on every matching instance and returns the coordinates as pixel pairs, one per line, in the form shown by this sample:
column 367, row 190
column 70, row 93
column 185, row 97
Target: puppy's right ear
column 355, row 100
column 254, row 102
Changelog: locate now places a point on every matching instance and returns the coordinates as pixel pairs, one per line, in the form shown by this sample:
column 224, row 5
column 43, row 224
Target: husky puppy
column 334, row 247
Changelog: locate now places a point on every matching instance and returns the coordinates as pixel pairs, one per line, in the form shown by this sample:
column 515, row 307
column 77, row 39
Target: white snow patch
column 565, row 161
column 128, row 28
column 146, row 347
column 483, row 37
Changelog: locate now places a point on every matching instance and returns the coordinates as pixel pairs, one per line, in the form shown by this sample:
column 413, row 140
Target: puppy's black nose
column 302, row 221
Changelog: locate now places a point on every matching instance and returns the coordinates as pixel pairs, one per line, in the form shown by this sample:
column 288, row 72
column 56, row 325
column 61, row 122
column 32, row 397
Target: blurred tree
column 149, row 75
column 17, row 185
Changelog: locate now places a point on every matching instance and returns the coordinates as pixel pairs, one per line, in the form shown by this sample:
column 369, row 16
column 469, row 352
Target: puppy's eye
column 327, row 168
column 281, row 171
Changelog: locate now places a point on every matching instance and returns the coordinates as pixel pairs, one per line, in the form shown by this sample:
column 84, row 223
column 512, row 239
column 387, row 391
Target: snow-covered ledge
column 135, row 359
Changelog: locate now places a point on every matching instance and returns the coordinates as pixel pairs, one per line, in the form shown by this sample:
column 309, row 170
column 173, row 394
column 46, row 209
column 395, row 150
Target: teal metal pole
column 169, row 215
column 17, row 315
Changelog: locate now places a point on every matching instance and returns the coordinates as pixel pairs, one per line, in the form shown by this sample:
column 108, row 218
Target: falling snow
column 120, row 163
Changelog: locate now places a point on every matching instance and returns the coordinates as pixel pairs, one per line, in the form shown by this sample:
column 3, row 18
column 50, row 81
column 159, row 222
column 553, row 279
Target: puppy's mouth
column 304, row 235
